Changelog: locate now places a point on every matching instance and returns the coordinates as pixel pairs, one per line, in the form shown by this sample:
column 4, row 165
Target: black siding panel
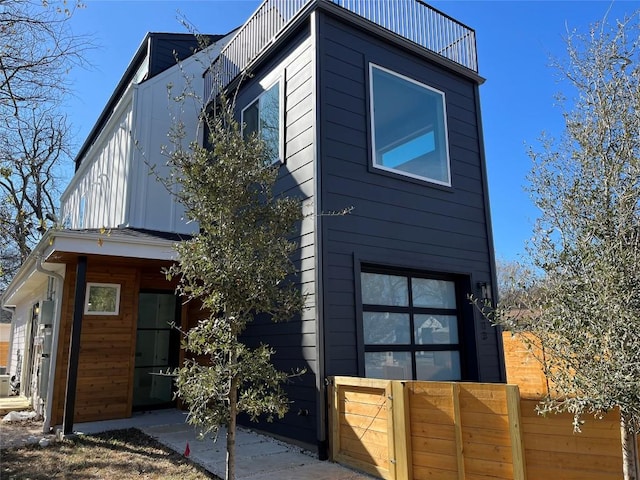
column 295, row 341
column 169, row 48
column 396, row 220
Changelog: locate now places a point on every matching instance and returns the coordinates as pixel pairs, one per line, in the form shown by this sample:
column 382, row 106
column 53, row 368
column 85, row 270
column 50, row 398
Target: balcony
column 412, row 20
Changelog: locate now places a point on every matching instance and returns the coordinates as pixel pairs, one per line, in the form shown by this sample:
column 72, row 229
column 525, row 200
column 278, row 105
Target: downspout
column 11, row 310
column 54, row 342
column 322, row 426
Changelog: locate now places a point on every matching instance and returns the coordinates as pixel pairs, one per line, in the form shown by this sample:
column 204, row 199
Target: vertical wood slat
column 457, row 423
column 402, row 431
column 515, row 432
column 334, row 419
column 391, row 432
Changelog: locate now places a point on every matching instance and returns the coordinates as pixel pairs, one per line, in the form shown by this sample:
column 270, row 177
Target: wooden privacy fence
column 4, row 354
column 450, row 430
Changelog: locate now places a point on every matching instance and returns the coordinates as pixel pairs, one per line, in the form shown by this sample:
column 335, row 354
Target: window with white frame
column 102, row 299
column 264, row 115
column 410, row 326
column 409, row 127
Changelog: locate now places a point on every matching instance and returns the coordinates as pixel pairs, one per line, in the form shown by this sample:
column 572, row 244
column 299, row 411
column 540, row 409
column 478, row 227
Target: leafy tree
column 238, row 266
column 584, row 307
column 37, row 49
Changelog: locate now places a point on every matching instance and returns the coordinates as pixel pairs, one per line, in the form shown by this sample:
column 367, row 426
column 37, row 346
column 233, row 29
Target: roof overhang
column 109, row 243
column 57, row 247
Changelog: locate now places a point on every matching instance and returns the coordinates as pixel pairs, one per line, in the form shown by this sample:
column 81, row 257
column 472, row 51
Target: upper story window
column 409, row 127
column 263, row 115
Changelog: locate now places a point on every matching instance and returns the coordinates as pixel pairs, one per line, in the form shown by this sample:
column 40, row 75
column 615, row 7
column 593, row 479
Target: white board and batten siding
column 96, row 196
column 117, row 183
column 151, row 205
column 21, row 333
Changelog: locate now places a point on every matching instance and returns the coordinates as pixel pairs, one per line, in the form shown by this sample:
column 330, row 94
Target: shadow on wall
column 293, row 341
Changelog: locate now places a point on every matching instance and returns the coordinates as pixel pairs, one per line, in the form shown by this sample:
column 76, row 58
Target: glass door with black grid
column 157, row 351
column 410, row 326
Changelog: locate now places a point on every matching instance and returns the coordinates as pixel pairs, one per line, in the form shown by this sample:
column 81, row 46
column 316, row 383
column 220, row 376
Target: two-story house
column 368, row 106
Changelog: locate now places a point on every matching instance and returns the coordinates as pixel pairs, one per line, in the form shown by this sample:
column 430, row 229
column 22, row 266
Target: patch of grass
column 120, row 454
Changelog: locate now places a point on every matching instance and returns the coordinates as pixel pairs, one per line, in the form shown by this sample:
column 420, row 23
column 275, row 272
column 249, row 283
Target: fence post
column 334, row 419
column 391, row 432
column 402, row 430
column 515, row 432
column 457, row 423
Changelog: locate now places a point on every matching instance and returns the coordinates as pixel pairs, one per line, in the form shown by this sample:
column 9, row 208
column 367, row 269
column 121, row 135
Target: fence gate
column 361, row 417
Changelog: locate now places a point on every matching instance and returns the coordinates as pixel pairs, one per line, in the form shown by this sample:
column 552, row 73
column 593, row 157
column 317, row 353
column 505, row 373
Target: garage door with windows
column 411, row 325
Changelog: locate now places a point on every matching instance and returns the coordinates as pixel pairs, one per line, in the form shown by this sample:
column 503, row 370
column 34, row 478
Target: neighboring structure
column 365, row 107
column 5, row 334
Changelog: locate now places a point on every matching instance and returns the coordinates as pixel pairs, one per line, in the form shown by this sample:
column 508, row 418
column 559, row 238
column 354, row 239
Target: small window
column 263, row 115
column 409, row 128
column 102, row 299
column 410, row 326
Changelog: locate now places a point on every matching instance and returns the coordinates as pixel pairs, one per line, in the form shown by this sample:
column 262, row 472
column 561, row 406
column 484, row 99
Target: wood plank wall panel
column 4, row 353
column 471, row 431
column 433, row 435
column 459, row 430
column 523, row 369
column 553, row 450
column 62, row 361
column 364, row 421
column 107, row 352
column 360, row 425
column 485, row 429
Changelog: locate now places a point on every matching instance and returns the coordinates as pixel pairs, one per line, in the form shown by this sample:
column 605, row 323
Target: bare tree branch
column 37, row 51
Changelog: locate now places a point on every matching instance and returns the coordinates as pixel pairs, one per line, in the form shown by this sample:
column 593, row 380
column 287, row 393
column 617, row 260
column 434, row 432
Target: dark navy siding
column 396, row 221
column 294, row 341
column 169, row 48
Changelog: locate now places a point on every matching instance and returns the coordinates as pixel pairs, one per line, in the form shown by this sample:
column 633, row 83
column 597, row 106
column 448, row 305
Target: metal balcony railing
column 413, row 20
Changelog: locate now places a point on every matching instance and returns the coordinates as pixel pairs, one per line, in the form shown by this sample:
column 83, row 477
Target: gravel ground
column 19, row 433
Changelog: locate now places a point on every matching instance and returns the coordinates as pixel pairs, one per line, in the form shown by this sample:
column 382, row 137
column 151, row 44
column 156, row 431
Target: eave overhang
column 58, row 247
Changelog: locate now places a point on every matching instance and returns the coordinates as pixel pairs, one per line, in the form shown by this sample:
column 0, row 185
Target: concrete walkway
column 259, row 457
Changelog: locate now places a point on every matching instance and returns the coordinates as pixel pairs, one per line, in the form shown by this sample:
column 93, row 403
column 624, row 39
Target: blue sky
column 516, row 40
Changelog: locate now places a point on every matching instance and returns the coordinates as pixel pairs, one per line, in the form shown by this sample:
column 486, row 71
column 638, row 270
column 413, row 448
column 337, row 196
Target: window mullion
column 412, row 330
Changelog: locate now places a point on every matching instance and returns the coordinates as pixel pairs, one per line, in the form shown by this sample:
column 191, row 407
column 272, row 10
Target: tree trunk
column 629, row 439
column 231, row 431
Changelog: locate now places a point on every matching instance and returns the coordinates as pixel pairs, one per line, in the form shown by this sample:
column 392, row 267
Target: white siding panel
column 100, row 183
column 19, row 331
column 114, row 185
column 152, row 205
column 19, row 354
